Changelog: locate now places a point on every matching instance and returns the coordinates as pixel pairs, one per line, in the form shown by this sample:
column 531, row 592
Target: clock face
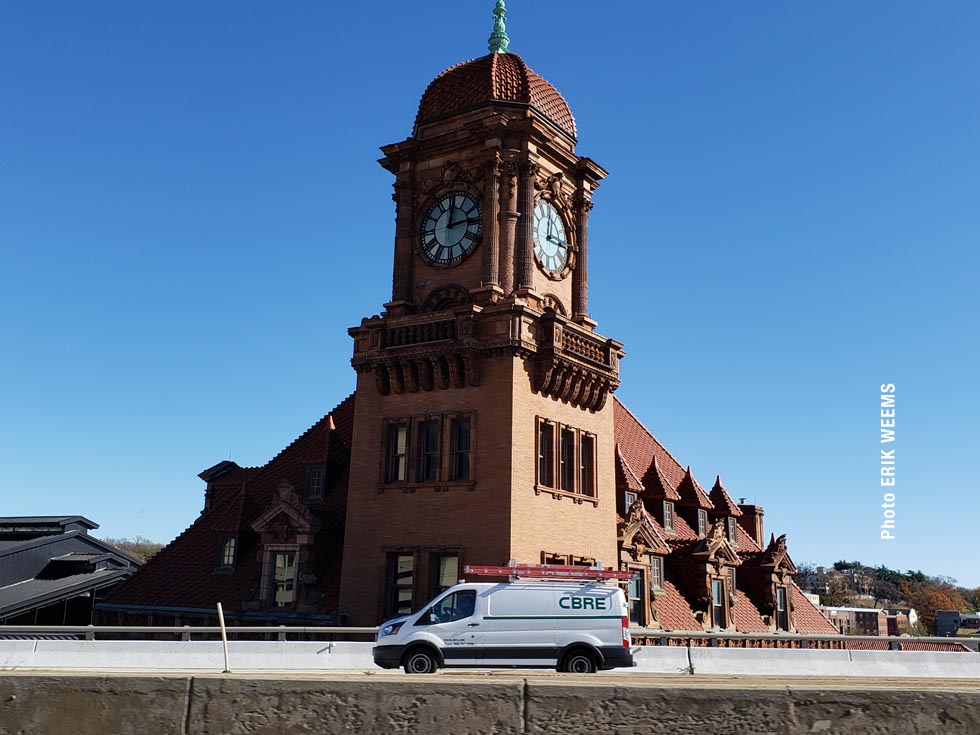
column 450, row 228
column 550, row 239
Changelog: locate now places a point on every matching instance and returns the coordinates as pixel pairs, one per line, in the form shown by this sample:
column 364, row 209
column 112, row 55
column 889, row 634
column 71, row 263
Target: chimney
column 751, row 522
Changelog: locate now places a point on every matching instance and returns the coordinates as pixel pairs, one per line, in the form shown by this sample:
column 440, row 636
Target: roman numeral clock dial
column 550, row 239
column 450, row 228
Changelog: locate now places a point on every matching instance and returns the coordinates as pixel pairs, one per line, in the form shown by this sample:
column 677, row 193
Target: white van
column 577, row 627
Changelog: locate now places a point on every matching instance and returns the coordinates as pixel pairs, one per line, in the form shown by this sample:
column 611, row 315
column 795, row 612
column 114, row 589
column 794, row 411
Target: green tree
column 142, row 548
column 838, row 591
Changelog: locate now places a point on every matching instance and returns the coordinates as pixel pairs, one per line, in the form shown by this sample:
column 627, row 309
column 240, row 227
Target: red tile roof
column 672, row 609
column 723, row 504
column 182, row 574
column 660, row 486
column 493, row 78
column 625, row 477
column 691, row 492
column 808, row 618
column 927, row 646
column 748, row 619
column 640, row 448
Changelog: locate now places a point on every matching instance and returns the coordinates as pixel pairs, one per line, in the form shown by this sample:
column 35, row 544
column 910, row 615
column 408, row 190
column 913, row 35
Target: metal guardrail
column 183, row 632
column 284, row 632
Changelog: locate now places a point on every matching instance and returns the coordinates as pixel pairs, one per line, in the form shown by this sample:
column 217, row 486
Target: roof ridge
column 302, row 436
column 649, row 433
column 724, row 499
column 700, row 495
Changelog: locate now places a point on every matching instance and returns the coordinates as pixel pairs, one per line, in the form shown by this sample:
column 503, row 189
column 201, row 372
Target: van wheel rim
column 421, row 664
column 580, row 665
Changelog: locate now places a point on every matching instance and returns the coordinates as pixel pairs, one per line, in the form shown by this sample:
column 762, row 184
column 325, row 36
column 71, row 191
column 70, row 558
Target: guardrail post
column 186, row 634
column 282, row 633
column 90, row 634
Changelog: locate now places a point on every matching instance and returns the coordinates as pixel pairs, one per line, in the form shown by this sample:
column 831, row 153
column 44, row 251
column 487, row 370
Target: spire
column 498, row 41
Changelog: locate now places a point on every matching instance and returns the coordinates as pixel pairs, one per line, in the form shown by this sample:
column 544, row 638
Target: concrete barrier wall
column 206, row 656
column 228, row 705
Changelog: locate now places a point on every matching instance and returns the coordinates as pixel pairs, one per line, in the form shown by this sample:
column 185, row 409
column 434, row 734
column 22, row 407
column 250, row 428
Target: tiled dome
column 495, row 77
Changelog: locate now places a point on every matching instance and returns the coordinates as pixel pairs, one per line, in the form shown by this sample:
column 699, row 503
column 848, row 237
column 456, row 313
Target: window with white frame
column 719, row 604
column 227, row 552
column 668, row 516
column 702, row 523
column 283, row 578
column 314, row 483
column 657, row 572
column 732, row 534
column 397, row 451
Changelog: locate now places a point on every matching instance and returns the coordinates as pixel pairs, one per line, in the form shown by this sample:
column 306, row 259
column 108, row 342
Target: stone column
column 525, row 232
column 508, row 217
column 401, row 286
column 491, row 224
column 580, row 276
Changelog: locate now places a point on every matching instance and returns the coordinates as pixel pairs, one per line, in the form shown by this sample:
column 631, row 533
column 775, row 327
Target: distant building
column 52, row 572
column 956, row 623
column 857, row 620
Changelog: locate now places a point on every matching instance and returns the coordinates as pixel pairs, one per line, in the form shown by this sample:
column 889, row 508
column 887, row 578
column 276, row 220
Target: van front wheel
column 579, row 662
column 420, row 661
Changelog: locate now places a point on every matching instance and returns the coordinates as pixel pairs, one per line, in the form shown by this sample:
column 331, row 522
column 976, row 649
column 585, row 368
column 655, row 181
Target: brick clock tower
column 482, row 428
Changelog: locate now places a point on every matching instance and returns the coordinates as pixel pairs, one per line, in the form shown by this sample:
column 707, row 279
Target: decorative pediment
column 286, row 515
column 776, row 557
column 640, row 532
column 716, row 547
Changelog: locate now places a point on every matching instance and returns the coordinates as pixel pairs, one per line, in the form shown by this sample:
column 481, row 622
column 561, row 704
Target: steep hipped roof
column 691, row 492
column 722, row 502
column 494, row 78
column 182, row 574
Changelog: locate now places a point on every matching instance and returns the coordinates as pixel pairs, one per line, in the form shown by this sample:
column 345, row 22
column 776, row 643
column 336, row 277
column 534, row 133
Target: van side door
column 453, row 622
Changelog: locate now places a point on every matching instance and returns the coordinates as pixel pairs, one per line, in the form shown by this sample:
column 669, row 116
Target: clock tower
column 482, row 430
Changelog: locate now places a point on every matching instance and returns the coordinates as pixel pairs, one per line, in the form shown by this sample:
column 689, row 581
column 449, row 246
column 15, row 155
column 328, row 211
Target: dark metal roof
column 33, row 592
column 46, row 520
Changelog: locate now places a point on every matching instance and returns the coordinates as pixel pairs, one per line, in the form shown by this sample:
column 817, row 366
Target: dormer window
column 702, row 523
column 226, row 553
column 732, row 537
column 657, row 572
column 719, row 605
column 731, row 582
column 630, row 499
column 314, row 483
column 782, row 609
column 668, row 516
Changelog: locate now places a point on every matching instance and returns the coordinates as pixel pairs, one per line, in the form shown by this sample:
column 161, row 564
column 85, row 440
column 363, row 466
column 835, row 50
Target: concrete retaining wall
column 206, row 656
column 227, row 705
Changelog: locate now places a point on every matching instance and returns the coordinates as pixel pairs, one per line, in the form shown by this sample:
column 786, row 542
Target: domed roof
column 496, row 77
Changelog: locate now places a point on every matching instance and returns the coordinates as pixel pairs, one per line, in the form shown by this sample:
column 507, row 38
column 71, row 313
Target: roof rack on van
column 548, row 571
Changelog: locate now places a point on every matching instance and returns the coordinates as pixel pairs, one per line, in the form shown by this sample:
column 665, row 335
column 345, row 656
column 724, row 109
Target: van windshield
column 457, row 606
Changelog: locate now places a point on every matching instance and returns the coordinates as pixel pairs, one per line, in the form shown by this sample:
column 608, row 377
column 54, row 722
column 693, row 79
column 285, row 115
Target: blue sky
column 192, row 216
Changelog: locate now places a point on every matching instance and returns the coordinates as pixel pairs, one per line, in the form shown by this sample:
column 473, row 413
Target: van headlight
column 389, row 629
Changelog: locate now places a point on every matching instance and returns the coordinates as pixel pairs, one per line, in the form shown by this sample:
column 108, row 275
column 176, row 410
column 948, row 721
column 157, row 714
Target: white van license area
column 566, row 626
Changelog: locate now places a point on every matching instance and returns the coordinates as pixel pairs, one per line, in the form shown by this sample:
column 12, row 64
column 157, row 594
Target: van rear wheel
column 420, row 661
column 579, row 662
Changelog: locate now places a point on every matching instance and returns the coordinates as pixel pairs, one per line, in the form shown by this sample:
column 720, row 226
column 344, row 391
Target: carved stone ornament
column 446, row 297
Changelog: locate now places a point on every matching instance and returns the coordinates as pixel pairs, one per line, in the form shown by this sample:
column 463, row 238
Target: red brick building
column 483, row 426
